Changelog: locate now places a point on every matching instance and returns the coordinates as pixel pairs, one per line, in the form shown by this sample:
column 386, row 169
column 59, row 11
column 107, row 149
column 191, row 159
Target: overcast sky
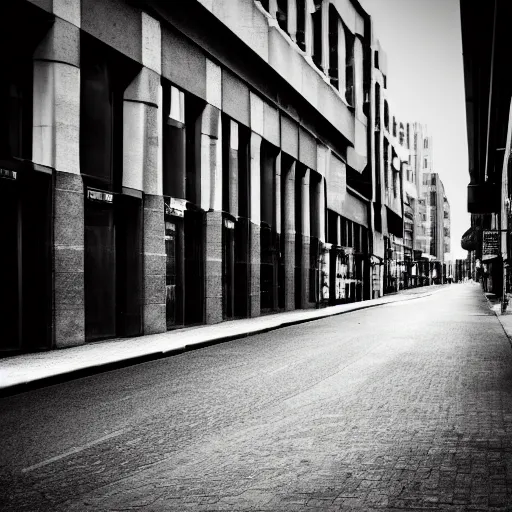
column 422, row 41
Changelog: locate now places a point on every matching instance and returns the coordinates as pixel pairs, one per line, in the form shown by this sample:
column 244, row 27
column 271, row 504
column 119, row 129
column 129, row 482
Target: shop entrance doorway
column 25, row 261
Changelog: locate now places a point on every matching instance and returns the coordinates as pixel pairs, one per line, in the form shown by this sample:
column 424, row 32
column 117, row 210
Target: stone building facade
column 175, row 163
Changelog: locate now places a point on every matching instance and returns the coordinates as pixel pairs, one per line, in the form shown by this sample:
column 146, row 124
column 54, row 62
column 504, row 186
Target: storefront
column 112, row 214
column 184, row 248
column 25, row 258
column 26, row 190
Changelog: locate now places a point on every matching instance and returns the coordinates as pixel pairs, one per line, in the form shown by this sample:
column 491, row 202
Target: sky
column 425, row 82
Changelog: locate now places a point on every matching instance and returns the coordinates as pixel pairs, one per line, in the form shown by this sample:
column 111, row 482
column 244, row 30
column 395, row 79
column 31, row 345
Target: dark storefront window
column 25, row 192
column 16, row 111
column 301, row 24
column 282, row 14
column 269, row 236
column 333, row 46
column 317, row 34
column 349, row 68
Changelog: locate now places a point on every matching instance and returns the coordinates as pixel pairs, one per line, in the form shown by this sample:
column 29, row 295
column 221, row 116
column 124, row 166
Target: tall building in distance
column 432, row 241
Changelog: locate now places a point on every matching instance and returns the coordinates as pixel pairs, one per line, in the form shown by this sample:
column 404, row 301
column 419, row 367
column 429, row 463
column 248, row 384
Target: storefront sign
column 491, row 245
column 229, row 224
column 97, row 195
column 175, row 207
column 11, row 175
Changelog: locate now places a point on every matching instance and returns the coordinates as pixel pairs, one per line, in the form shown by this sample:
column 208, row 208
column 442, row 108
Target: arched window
column 317, row 33
column 333, row 46
column 301, row 24
column 282, row 14
column 349, row 68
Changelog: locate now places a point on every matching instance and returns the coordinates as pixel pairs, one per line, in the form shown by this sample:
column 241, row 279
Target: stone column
column 308, row 28
column 292, row 20
column 211, row 202
column 254, row 228
column 142, row 171
column 277, row 205
column 55, row 140
column 325, row 36
column 233, row 169
column 306, row 233
column 276, row 222
column 289, row 237
column 272, row 8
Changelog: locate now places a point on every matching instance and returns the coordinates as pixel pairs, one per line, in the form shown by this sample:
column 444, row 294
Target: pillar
column 55, row 141
column 289, row 237
column 211, row 202
column 272, row 7
column 278, row 229
column 292, row 20
column 142, row 172
column 233, row 169
column 254, row 227
column 306, row 233
column 308, row 27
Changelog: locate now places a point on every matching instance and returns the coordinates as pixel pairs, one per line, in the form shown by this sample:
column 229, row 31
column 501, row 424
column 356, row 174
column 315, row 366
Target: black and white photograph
column 255, row 255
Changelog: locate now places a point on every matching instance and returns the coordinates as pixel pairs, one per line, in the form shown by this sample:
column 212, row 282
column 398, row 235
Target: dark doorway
column 194, row 267
column 174, row 271
column 100, row 271
column 228, row 266
column 128, row 218
column 25, row 260
column 113, row 265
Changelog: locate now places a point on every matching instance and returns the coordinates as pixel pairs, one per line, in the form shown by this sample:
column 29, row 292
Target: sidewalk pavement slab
column 504, row 318
column 23, row 372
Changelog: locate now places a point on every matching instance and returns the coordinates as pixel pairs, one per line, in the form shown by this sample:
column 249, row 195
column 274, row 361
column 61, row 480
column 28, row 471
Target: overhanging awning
column 472, row 239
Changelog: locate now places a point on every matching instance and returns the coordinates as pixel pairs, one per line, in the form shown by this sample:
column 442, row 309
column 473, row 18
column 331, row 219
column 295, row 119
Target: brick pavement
column 332, row 415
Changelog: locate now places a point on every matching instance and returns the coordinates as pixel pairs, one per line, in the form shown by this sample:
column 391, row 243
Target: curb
column 59, row 378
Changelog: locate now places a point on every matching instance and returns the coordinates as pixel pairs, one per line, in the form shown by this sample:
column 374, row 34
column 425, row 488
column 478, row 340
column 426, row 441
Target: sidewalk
column 505, row 318
column 28, row 371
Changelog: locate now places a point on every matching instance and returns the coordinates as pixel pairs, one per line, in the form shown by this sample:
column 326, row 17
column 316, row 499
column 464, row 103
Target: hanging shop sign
column 10, row 175
column 491, row 244
column 98, row 195
column 175, row 207
column 229, row 224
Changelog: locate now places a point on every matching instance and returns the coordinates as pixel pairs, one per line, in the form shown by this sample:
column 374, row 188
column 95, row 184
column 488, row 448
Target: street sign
column 491, row 244
column 175, row 207
column 97, row 195
column 5, row 173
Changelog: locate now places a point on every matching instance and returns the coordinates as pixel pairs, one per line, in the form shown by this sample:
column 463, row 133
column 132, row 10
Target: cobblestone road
column 399, row 407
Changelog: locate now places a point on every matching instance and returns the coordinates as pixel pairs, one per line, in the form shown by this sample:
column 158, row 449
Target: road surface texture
column 400, row 407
